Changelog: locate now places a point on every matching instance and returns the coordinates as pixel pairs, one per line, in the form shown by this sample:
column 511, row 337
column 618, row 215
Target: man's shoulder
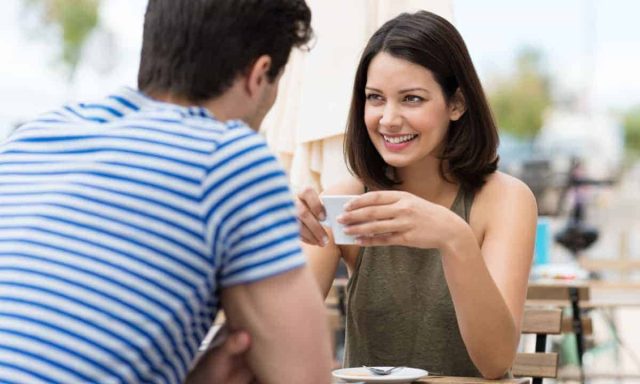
column 235, row 138
column 131, row 109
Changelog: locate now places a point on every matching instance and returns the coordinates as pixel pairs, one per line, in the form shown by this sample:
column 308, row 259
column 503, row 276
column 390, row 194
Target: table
column 604, row 296
column 470, row 380
column 463, row 380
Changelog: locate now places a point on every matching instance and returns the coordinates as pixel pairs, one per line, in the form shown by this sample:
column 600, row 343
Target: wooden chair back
column 335, row 304
column 561, row 296
column 570, row 296
column 539, row 364
column 559, row 292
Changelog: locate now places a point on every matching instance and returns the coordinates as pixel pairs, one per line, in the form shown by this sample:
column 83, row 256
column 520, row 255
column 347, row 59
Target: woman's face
column 405, row 111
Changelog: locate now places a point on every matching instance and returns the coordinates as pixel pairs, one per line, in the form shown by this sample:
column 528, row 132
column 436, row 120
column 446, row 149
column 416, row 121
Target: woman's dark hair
column 196, row 48
column 426, row 39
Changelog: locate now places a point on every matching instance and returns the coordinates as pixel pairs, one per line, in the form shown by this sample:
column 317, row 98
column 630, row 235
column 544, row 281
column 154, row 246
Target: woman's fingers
column 312, row 201
column 367, row 214
column 310, row 229
column 308, row 238
column 374, row 228
column 376, row 198
column 309, row 212
column 311, row 237
column 380, row 240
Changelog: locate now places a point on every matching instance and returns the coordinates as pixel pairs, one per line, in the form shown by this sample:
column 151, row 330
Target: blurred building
column 595, row 139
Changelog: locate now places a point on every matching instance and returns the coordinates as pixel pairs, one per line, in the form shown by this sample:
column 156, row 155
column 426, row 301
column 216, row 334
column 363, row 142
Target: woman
column 439, row 275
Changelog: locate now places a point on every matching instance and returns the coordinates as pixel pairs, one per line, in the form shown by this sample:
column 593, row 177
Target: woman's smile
column 398, row 142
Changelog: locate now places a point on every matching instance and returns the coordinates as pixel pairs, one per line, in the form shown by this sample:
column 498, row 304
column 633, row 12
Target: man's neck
column 228, row 106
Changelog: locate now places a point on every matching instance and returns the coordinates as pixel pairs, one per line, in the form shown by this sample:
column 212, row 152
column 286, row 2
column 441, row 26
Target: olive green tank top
column 400, row 311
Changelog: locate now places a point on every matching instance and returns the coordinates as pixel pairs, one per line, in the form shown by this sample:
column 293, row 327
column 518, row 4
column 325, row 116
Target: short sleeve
column 251, row 225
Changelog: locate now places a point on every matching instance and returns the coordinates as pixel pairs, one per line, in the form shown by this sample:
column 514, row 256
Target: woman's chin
column 395, row 162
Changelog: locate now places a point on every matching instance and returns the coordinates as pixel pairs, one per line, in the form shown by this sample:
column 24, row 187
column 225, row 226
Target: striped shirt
column 119, row 223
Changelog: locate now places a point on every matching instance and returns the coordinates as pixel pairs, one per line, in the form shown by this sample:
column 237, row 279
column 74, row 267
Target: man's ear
column 257, row 74
column 457, row 106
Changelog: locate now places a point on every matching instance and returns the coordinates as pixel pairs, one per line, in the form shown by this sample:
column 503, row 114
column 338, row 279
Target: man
column 125, row 224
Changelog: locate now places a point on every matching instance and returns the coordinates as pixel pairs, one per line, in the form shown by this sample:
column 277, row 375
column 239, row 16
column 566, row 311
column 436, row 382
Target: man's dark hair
column 197, row 48
column 426, row 39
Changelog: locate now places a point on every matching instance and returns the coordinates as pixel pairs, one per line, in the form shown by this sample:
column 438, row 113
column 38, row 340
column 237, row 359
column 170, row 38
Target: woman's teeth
column 398, row 139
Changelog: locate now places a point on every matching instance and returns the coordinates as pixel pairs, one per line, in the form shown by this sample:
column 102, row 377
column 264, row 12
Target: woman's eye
column 413, row 99
column 374, row 97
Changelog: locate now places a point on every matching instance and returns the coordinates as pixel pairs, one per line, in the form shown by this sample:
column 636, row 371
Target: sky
column 591, row 47
column 32, row 80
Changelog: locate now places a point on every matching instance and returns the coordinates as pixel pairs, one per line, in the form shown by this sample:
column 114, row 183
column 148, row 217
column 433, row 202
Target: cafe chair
column 570, row 297
column 539, row 364
column 335, row 309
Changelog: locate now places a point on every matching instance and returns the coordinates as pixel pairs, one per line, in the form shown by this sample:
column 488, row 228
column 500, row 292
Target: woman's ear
column 457, row 105
column 257, row 75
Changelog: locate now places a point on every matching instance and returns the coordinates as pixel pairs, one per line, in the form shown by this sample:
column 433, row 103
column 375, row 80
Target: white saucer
column 360, row 374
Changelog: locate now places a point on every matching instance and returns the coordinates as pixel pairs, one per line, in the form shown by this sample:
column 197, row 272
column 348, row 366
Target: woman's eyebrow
column 407, row 90
column 402, row 91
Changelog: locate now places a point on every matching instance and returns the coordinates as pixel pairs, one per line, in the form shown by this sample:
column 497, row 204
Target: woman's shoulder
column 503, row 192
column 350, row 186
column 499, row 182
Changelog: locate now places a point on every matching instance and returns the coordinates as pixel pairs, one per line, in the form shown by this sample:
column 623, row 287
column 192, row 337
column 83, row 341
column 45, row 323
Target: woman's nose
column 391, row 116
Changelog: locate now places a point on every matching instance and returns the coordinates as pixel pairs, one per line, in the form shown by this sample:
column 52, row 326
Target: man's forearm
column 286, row 318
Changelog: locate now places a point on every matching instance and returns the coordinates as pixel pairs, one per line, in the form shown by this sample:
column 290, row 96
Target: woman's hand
column 310, row 212
column 399, row 218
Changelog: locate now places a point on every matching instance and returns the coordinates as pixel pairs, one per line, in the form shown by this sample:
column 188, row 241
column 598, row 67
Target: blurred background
column 561, row 76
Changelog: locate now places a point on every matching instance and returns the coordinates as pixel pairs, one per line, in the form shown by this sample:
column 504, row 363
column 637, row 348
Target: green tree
column 520, row 99
column 631, row 122
column 76, row 19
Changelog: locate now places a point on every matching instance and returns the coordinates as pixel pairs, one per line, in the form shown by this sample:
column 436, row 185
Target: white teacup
column 334, row 207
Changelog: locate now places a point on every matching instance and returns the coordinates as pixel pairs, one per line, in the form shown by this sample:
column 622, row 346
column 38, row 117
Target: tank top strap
column 462, row 203
column 468, row 201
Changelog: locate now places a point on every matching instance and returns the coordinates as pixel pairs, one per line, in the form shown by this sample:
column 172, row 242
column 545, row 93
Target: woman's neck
column 427, row 182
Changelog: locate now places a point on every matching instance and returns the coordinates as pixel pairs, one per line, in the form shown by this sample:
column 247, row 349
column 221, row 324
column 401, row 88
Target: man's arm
column 286, row 319
column 225, row 364
column 266, row 289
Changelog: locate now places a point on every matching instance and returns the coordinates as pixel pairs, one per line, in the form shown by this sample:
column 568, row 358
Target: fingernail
column 325, row 240
column 322, row 216
column 340, row 219
column 346, row 206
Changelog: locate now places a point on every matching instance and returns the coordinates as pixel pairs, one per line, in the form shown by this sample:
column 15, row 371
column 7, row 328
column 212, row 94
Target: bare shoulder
column 501, row 186
column 502, row 195
column 352, row 186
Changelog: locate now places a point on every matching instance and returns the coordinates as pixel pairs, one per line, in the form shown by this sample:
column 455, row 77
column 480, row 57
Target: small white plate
column 405, row 375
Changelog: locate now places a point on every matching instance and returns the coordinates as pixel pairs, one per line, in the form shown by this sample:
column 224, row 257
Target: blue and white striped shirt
column 119, row 223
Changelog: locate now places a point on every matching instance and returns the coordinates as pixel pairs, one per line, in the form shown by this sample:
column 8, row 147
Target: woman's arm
column 488, row 283
column 324, row 263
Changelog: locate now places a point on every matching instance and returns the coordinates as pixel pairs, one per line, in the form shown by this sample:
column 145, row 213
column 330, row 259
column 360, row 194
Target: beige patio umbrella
column 306, row 125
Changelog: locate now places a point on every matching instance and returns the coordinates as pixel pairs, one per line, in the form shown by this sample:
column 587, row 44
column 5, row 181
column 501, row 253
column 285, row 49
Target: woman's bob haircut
column 423, row 38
